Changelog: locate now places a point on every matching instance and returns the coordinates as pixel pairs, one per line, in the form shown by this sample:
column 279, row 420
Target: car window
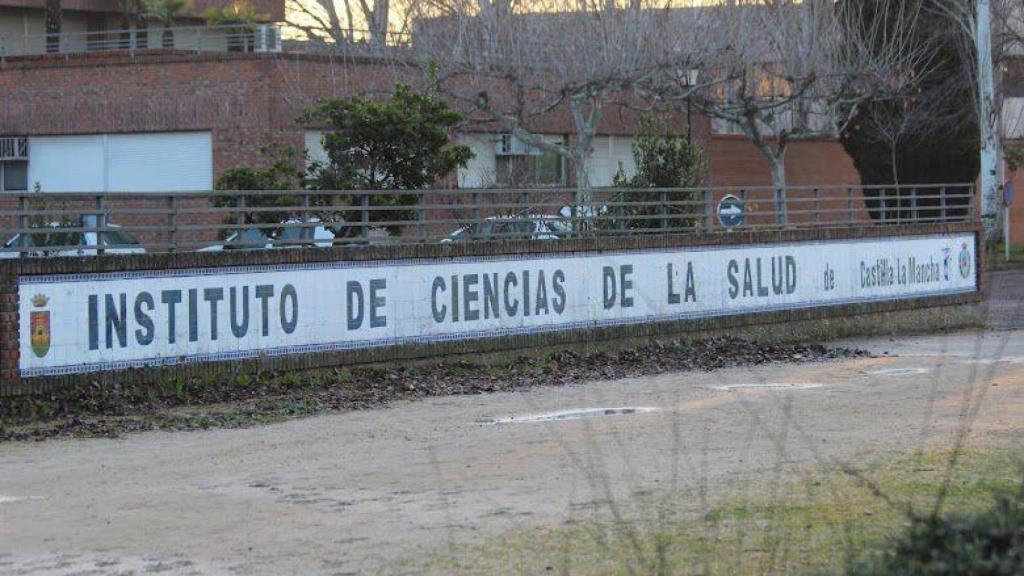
column 114, row 238
column 559, row 227
column 54, row 239
column 292, row 235
column 248, row 238
column 512, row 228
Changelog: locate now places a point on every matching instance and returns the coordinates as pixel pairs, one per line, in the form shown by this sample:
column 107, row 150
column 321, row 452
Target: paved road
column 1005, row 308
column 355, row 492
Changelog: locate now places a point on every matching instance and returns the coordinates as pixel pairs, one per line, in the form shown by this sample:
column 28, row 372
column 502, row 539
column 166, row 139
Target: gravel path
column 380, row 488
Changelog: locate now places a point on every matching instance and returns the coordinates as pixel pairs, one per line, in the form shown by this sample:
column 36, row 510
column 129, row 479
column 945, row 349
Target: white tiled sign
column 81, row 323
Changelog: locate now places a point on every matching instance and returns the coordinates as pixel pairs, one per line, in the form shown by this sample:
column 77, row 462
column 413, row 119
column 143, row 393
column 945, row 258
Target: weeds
column 179, row 403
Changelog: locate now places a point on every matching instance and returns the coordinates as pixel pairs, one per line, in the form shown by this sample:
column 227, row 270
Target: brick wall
column 12, row 270
column 250, row 100
column 1016, row 210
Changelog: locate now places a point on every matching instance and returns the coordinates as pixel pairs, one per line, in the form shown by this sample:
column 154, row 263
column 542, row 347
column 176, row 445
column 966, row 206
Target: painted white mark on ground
column 5, row 499
column 899, row 371
column 967, row 359
column 575, row 414
column 769, row 386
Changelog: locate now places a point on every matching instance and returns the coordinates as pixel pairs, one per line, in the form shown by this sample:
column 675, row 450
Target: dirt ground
column 374, row 491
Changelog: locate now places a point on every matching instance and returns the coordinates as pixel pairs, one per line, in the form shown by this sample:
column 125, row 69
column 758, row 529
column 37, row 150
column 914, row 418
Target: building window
column 540, row 168
column 13, row 164
column 13, row 176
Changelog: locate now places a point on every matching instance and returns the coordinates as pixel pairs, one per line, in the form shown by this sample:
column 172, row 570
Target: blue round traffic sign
column 730, row 211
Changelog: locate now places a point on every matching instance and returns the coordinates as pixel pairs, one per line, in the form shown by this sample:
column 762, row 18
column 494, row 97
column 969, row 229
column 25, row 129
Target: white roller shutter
column 161, row 162
column 155, row 162
column 481, row 171
column 66, row 163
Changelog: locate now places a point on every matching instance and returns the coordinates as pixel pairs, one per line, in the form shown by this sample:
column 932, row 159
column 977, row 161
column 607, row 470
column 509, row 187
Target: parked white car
column 58, row 242
column 531, row 226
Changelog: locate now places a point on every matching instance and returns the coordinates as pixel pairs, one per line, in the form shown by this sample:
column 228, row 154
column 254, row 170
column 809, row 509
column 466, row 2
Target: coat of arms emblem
column 40, row 326
column 965, row 261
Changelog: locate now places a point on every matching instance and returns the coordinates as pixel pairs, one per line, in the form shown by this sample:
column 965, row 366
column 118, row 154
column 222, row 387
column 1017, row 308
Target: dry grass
column 814, row 522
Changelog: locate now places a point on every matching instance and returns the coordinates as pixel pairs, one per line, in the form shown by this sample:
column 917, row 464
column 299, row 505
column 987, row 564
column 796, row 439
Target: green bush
column 988, row 543
column 666, row 161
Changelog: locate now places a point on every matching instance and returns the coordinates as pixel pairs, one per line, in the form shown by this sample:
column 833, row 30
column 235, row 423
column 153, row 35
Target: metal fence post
column 23, row 221
column 942, row 202
column 817, row 206
column 364, row 202
column 620, row 209
column 172, row 223
column 101, row 222
column 421, row 216
column 663, row 210
column 914, row 215
column 899, row 205
column 849, row 205
column 743, row 200
column 709, row 220
column 474, row 207
column 240, row 211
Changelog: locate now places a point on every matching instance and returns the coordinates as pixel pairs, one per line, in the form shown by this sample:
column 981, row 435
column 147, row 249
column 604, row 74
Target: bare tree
column 513, row 68
column 339, row 22
column 975, row 18
column 781, row 71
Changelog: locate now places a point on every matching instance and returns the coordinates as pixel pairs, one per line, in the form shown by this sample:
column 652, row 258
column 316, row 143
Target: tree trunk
column 988, row 119
column 778, row 168
column 583, row 203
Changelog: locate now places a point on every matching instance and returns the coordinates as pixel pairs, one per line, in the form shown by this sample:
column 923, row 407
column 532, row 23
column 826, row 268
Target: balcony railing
column 46, row 224
column 199, row 39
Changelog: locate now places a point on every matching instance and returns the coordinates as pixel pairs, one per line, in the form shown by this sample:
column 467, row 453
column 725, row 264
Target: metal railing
column 73, row 224
column 199, row 39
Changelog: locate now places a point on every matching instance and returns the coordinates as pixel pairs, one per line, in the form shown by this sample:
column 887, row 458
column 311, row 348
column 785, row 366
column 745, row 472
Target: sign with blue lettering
column 106, row 321
column 730, row 211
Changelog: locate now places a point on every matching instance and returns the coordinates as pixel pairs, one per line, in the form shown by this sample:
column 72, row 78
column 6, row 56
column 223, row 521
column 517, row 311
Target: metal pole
column 1006, row 233
column 101, row 222
column 689, row 115
column 172, row 222
column 23, row 221
column 663, row 211
column 474, row 202
column 421, row 215
column 365, row 203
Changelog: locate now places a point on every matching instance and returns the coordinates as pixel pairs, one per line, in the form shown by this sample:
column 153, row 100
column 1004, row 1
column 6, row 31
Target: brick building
column 106, row 111
column 98, row 115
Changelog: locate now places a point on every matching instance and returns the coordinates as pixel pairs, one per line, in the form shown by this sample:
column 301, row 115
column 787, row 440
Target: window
column 13, row 176
column 539, row 169
column 13, row 164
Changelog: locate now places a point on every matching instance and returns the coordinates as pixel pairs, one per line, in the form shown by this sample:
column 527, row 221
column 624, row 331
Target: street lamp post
column 691, row 81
